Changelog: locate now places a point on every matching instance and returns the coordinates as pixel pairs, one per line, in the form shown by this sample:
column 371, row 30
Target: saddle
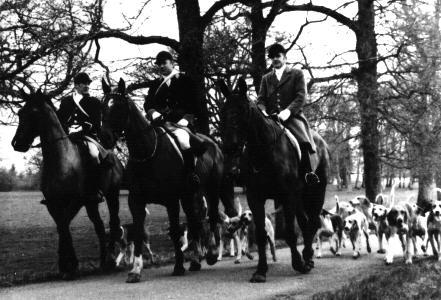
column 81, row 139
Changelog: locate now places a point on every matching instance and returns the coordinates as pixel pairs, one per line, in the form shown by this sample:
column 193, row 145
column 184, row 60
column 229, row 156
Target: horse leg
column 194, row 221
column 67, row 259
column 213, row 216
column 291, row 236
column 116, row 232
column 257, row 206
column 175, row 234
column 94, row 216
column 309, row 218
column 137, row 209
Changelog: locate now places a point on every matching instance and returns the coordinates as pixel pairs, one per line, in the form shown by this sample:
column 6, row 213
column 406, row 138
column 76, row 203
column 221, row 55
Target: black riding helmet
column 162, row 57
column 275, row 50
column 82, row 78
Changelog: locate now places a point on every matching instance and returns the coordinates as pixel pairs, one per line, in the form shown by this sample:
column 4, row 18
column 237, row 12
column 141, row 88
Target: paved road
column 222, row 281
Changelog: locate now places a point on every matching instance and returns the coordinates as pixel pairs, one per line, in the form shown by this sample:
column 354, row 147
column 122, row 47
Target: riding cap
column 162, row 57
column 276, row 49
column 82, row 78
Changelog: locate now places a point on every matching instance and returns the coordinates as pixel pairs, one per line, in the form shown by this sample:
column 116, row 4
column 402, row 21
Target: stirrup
column 311, row 178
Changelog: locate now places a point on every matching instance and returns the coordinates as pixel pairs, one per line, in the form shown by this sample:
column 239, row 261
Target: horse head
column 233, row 117
column 115, row 112
column 30, row 116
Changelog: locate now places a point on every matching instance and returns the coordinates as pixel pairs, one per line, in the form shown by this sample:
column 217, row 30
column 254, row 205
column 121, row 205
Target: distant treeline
column 10, row 180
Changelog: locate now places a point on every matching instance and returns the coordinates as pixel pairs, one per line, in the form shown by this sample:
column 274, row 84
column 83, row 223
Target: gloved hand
column 183, row 122
column 284, row 115
column 155, row 115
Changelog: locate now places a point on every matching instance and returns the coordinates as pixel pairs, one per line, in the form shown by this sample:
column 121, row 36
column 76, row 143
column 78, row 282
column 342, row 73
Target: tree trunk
column 366, row 77
column 424, row 188
column 357, row 179
column 258, row 38
column 191, row 60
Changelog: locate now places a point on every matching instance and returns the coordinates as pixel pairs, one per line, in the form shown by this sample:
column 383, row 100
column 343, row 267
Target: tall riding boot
column 93, row 191
column 192, row 178
column 310, row 177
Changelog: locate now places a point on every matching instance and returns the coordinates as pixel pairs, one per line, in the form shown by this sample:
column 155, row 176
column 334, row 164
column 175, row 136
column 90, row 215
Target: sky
column 322, row 41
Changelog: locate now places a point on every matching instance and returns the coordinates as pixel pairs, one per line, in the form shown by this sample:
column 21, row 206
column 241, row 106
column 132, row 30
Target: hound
column 354, row 225
column 331, row 227
column 434, row 228
column 400, row 219
column 379, row 215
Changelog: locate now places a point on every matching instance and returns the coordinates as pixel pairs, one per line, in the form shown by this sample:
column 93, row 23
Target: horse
column 272, row 170
column 156, row 175
column 65, row 179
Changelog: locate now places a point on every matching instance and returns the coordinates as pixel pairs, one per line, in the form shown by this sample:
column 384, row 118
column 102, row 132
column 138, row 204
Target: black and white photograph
column 220, row 149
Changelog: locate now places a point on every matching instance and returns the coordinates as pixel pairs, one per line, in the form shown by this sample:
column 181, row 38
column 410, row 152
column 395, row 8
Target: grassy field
column 28, row 247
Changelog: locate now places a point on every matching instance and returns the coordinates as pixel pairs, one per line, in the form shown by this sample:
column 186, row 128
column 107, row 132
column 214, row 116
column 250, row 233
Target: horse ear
column 121, row 86
column 105, row 86
column 223, row 88
column 241, row 86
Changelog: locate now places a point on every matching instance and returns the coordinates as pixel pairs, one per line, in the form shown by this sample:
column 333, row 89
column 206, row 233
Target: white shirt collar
column 168, row 78
column 279, row 72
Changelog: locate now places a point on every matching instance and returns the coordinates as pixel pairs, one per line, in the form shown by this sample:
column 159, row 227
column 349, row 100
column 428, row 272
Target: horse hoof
column 133, row 278
column 178, row 271
column 237, row 261
column 302, row 268
column 211, row 259
column 258, row 278
column 194, row 266
column 309, row 263
column 381, row 251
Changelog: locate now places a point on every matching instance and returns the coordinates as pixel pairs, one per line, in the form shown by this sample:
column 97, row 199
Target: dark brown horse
column 65, row 177
column 157, row 176
column 273, row 171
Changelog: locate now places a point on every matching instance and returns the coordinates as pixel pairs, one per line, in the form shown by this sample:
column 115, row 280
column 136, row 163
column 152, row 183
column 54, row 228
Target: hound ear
column 121, row 86
column 379, row 199
column 105, row 86
column 223, row 88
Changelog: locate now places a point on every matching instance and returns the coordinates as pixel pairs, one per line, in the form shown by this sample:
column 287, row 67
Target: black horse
column 157, row 176
column 272, row 170
column 65, row 178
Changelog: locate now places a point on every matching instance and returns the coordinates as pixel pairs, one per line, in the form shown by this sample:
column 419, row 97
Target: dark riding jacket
column 70, row 114
column 175, row 102
column 288, row 93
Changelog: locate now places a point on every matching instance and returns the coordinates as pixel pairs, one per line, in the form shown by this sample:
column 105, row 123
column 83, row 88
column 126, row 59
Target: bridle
column 120, row 132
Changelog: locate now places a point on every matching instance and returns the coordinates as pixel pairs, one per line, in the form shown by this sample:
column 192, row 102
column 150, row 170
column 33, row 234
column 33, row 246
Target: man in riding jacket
column 81, row 112
column 172, row 98
column 283, row 92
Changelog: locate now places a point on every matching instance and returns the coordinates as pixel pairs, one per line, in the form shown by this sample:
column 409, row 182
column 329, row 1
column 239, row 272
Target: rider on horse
column 172, row 98
column 283, row 91
column 81, row 112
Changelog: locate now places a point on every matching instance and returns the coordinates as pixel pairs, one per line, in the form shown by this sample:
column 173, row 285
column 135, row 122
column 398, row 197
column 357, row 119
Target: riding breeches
column 182, row 136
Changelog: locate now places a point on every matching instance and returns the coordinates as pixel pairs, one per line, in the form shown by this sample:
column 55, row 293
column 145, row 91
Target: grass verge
column 417, row 281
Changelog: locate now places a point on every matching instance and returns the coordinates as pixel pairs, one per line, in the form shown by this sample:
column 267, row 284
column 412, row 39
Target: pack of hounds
column 353, row 221
column 388, row 219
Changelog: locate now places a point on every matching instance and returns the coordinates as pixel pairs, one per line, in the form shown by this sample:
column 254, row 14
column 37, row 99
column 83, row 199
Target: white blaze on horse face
column 110, row 103
column 184, row 241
